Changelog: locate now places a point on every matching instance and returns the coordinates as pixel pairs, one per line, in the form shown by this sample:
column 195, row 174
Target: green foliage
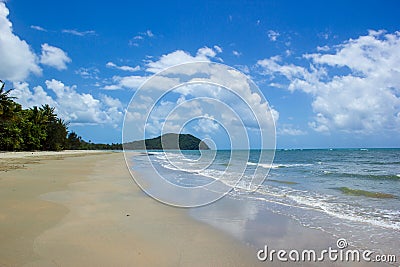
column 10, row 119
column 169, row 141
column 74, row 141
column 37, row 128
column 92, row 146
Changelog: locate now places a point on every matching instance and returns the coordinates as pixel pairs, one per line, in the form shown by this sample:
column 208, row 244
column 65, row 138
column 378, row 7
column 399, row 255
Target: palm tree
column 10, row 117
column 56, row 135
column 48, row 112
column 34, row 128
column 4, row 94
column 7, row 103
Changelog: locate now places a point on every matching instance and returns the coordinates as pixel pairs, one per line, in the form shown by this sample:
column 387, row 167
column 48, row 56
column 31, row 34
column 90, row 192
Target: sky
column 329, row 70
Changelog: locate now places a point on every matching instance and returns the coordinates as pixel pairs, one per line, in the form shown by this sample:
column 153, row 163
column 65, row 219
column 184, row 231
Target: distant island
column 168, row 141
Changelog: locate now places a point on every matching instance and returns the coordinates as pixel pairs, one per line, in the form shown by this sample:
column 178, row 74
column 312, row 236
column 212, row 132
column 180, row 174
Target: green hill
column 168, row 141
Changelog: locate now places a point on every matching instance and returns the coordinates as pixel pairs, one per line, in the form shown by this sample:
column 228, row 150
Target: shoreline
column 86, row 210
column 255, row 224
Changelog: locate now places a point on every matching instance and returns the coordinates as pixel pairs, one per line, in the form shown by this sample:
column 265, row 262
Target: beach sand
column 87, row 211
column 74, row 209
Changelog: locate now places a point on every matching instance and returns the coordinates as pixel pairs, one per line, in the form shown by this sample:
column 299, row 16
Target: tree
column 37, row 128
column 57, row 135
column 6, row 101
column 34, row 128
column 10, row 117
column 48, row 112
column 74, row 141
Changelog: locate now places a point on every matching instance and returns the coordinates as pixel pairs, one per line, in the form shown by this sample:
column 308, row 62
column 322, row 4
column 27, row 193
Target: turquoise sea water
column 352, row 193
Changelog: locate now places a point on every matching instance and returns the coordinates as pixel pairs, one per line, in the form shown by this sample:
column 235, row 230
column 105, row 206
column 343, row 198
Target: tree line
column 37, row 128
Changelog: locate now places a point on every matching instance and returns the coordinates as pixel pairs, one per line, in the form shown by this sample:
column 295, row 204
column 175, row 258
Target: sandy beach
column 77, row 209
column 83, row 209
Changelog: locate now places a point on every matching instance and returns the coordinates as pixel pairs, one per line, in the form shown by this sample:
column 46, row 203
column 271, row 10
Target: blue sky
column 330, row 70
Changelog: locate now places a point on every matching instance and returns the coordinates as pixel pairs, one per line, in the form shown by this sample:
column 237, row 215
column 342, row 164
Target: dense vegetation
column 169, row 141
column 37, row 128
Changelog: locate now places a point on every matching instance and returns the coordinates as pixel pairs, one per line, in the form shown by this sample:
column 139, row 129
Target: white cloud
column 236, row 53
column 79, row 33
column 54, row 57
column 180, row 57
column 218, row 49
column 88, row 73
column 243, row 68
column 124, row 68
column 323, row 48
column 28, row 98
column 325, row 35
column 273, row 35
column 195, row 95
column 288, row 129
column 17, row 58
column 365, row 99
column 132, row 43
column 70, row 105
column 206, row 52
column 38, row 28
column 149, row 33
column 207, row 125
column 111, row 102
column 140, row 37
column 272, row 65
column 112, row 87
column 130, row 82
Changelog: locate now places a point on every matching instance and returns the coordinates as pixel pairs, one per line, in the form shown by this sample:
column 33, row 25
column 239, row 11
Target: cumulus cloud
column 70, row 105
column 124, row 68
column 54, row 57
column 192, row 92
column 29, row 98
column 168, row 60
column 180, row 57
column 207, row 125
column 17, row 58
column 364, row 99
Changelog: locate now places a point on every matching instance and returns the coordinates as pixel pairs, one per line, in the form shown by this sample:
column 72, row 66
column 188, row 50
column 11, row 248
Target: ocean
column 348, row 193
